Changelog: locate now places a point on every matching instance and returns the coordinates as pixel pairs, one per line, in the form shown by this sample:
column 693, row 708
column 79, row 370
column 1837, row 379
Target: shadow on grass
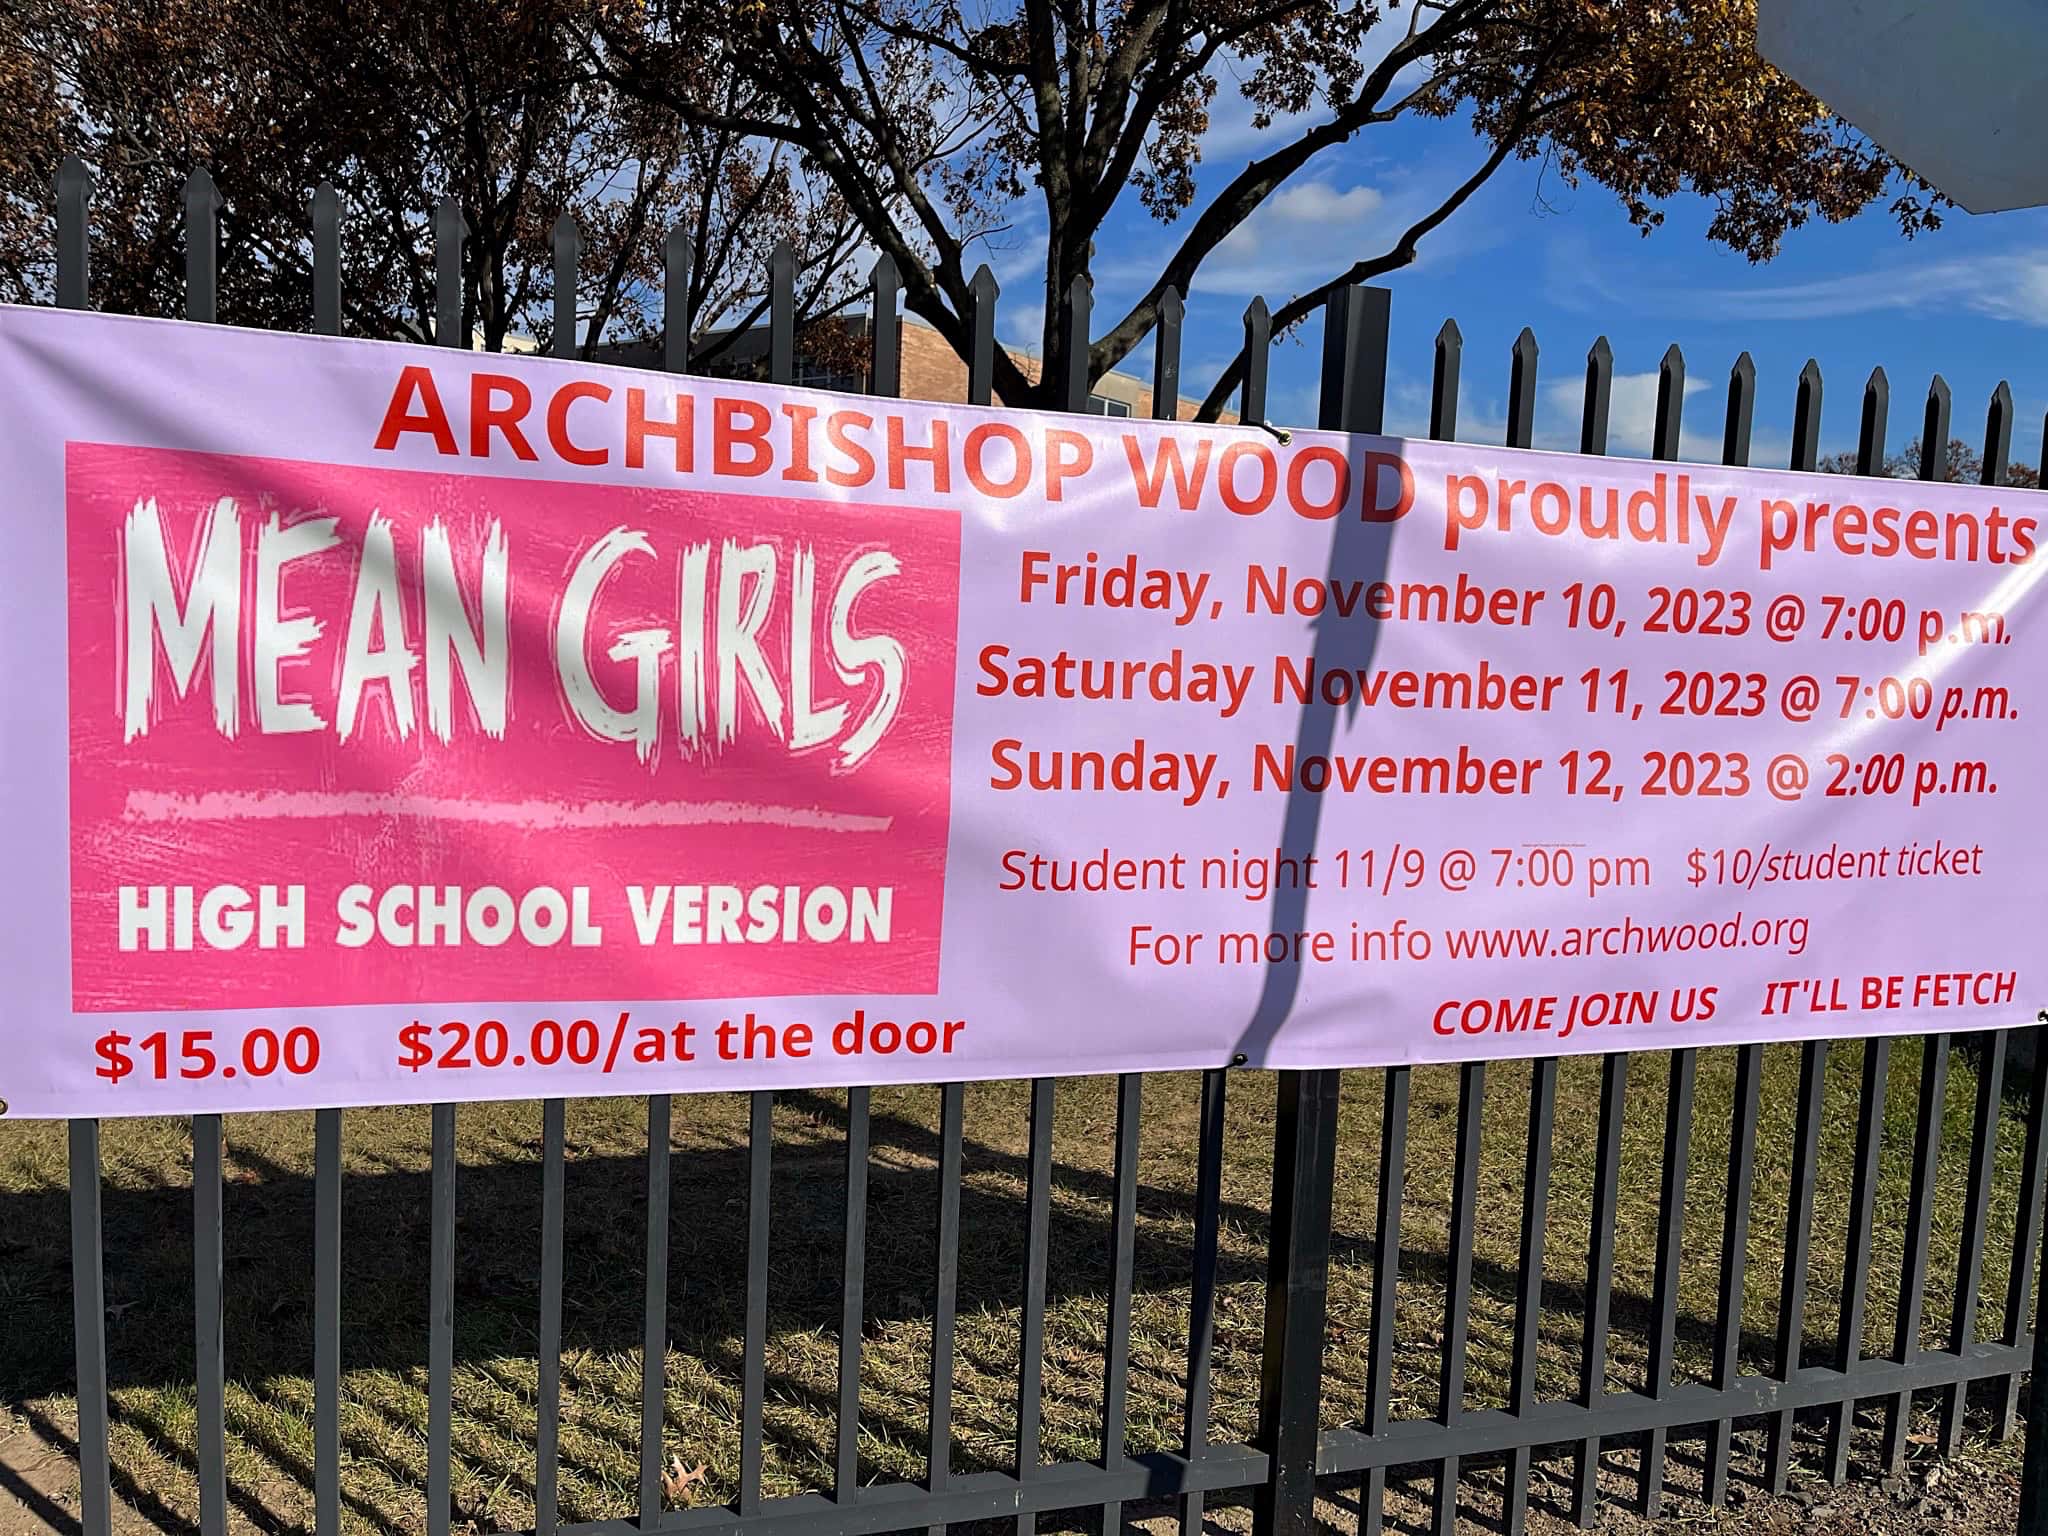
column 269, row 1242
column 268, row 1248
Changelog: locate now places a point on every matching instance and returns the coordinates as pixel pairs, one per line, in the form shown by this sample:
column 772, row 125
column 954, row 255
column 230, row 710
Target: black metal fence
column 1294, row 1458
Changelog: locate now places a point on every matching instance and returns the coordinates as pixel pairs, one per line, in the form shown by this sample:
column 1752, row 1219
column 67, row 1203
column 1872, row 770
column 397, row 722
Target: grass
column 384, row 1410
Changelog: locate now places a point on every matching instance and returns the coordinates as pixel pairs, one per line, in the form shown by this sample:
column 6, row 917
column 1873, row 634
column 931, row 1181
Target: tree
column 395, row 104
column 1963, row 466
column 931, row 116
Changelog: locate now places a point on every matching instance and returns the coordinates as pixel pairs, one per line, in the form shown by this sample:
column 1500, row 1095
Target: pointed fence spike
column 782, row 313
column 202, row 247
column 1998, row 434
column 1870, row 433
column 981, row 366
column 1806, row 419
column 326, row 260
column 885, row 336
column 1741, row 411
column 1075, row 317
column 1258, row 357
column 1670, row 404
column 1166, row 356
column 74, row 233
column 1934, row 431
column 1599, row 397
column 568, row 242
column 675, row 301
column 451, row 232
column 1444, row 380
column 1522, row 390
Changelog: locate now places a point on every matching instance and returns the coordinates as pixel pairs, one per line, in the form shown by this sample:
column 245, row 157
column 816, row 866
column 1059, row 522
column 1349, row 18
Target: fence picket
column 1458, row 1288
column 1664, row 438
column 754, row 1345
column 2026, row 1242
column 1741, row 411
column 327, row 1322
column 1997, row 435
column 675, row 301
column 1749, row 1062
column 1877, row 1061
column 1919, row 1224
column 1599, row 397
column 1130, row 1099
column 1031, row 1335
column 1075, row 309
column 853, row 1297
column 1877, row 400
column 1806, row 419
column 207, row 1319
column 1443, row 387
column 89, row 1329
column 1813, row 1066
column 1670, row 1258
column 945, row 1293
column 326, row 260
column 1258, row 357
column 1976, row 1216
column 782, row 313
column 885, row 336
column 654, row 1310
column 1166, row 356
column 1202, row 1294
column 74, row 188
column 548, row 1408
column 440, row 1320
column 1529, row 1298
column 1599, row 1283
column 1386, row 1279
column 1522, row 360
column 568, row 250
column 981, row 365
column 1934, row 431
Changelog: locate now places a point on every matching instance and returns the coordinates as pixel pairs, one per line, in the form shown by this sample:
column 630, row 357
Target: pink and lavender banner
column 385, row 724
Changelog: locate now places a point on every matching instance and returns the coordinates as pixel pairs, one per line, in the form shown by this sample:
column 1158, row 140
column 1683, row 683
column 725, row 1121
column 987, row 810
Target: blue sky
column 1970, row 300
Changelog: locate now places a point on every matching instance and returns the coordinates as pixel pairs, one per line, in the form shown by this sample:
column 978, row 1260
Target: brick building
column 931, row 369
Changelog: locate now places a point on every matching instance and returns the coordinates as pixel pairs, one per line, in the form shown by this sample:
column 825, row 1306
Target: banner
column 386, row 724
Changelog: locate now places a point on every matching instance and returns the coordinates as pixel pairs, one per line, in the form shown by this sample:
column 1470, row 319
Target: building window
column 1102, row 405
column 818, row 375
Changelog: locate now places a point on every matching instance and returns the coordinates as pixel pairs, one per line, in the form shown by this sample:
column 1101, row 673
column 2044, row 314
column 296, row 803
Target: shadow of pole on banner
column 1353, row 400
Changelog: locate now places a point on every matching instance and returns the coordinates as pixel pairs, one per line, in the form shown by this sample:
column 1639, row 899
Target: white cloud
column 1291, row 240
column 1631, row 413
column 2007, row 285
column 1317, row 202
column 1021, row 325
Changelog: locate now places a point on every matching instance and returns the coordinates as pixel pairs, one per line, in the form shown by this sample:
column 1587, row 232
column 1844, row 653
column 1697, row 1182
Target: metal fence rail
column 1293, row 1451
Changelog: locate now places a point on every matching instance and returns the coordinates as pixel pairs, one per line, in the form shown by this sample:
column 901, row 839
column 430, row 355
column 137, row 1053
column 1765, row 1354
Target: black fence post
column 74, row 234
column 675, row 301
column 1297, row 1302
column 885, row 330
column 1258, row 354
column 451, row 231
column 1166, row 356
column 568, row 251
column 2034, row 1470
column 981, row 370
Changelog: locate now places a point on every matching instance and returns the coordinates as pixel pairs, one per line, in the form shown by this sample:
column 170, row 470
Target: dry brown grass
column 384, row 1411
